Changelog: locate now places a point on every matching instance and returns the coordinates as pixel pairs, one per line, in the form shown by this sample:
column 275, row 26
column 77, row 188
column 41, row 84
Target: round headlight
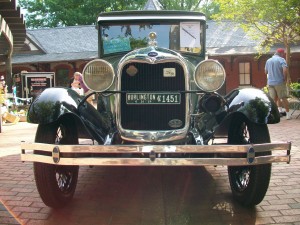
column 209, row 75
column 98, row 75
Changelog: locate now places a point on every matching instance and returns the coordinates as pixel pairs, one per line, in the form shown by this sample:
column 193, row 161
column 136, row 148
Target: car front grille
column 149, row 78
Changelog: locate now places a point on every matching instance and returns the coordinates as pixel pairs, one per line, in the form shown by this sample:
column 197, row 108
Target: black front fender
column 255, row 104
column 52, row 104
column 57, row 103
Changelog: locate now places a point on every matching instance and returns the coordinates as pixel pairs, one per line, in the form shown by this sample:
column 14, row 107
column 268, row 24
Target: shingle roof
column 81, row 42
column 227, row 37
column 67, row 39
column 62, row 44
column 54, row 57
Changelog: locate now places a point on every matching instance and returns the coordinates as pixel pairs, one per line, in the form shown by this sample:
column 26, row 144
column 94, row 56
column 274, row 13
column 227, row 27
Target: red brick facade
column 231, row 64
column 257, row 74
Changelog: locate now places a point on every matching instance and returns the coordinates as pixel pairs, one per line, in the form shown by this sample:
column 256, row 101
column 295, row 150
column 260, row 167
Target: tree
column 210, row 8
column 54, row 13
column 273, row 21
column 192, row 5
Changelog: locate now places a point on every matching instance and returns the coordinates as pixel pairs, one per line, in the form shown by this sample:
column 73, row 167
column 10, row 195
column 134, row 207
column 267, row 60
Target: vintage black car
column 158, row 105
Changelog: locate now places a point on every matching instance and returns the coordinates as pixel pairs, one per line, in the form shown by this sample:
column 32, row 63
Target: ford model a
column 158, row 105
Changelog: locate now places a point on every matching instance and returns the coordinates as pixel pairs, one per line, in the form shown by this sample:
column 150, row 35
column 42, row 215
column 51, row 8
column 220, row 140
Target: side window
column 62, row 77
column 244, row 73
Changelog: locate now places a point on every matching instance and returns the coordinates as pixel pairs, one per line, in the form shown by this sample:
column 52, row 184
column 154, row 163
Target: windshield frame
column 151, row 18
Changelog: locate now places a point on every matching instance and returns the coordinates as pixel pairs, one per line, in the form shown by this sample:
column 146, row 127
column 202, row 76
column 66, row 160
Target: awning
column 12, row 28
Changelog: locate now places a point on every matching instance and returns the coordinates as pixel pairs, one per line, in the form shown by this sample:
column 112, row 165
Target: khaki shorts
column 279, row 91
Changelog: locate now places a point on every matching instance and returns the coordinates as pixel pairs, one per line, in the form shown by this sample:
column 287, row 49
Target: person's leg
column 273, row 95
column 283, row 95
column 285, row 104
column 281, row 108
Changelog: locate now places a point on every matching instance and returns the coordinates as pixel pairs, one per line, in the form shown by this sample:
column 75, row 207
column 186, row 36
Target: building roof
column 81, row 43
column 54, row 57
column 66, row 39
column 61, row 44
column 227, row 38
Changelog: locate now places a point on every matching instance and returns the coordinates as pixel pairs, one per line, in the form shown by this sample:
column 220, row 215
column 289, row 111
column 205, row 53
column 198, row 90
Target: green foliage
column 274, row 21
column 271, row 18
column 54, row 13
column 265, row 89
column 192, row 5
column 295, row 86
column 269, row 21
column 208, row 7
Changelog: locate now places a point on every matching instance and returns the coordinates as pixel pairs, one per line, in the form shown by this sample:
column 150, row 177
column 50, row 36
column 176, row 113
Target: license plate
column 153, row 98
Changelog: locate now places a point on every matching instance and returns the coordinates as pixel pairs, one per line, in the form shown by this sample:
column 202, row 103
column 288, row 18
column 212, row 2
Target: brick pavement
column 148, row 195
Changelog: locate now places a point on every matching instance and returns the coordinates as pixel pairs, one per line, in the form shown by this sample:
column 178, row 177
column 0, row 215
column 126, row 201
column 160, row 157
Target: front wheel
column 56, row 184
column 249, row 184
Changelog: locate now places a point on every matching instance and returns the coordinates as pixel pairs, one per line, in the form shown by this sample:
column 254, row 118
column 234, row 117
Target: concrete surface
column 148, row 195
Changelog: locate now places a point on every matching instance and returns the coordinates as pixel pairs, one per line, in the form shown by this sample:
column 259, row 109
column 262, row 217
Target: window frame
column 244, row 73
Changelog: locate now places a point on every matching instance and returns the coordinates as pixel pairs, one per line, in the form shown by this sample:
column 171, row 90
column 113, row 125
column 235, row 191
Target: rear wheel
column 249, row 184
column 56, row 184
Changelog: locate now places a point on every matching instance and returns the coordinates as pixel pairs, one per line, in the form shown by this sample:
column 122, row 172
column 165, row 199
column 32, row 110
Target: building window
column 244, row 73
column 62, row 77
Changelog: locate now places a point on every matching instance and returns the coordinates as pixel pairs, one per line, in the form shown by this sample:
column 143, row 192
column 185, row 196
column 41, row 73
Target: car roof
column 150, row 15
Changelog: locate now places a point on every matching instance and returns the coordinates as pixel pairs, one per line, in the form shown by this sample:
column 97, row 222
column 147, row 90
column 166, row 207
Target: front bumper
column 156, row 155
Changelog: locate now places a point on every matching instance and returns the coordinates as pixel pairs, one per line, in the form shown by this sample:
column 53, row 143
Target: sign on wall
column 34, row 83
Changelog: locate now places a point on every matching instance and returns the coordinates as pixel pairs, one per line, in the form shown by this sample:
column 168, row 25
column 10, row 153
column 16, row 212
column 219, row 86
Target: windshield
column 182, row 36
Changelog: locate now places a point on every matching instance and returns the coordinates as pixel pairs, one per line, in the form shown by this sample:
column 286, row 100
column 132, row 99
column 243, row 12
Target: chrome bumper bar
column 155, row 155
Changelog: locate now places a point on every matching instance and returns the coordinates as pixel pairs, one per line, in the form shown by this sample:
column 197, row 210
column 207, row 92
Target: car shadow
column 153, row 195
column 126, row 195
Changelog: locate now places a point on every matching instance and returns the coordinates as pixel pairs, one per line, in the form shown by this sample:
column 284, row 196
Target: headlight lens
column 98, row 75
column 209, row 75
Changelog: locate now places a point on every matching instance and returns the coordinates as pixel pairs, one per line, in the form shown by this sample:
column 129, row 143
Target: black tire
column 56, row 184
column 249, row 184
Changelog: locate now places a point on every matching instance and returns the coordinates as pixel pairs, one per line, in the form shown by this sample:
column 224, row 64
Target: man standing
column 276, row 70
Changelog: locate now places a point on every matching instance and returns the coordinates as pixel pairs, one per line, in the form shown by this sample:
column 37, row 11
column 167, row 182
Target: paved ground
column 147, row 195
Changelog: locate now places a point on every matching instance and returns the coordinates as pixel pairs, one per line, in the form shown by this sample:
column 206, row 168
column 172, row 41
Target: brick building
column 67, row 49
column 232, row 47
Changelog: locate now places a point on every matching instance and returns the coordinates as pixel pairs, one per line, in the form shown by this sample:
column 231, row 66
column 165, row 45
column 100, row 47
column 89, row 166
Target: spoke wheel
column 64, row 179
column 56, row 184
column 249, row 184
column 242, row 177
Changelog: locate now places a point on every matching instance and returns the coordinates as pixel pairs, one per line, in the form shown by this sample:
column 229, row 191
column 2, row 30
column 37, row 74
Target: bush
column 265, row 89
column 295, row 86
